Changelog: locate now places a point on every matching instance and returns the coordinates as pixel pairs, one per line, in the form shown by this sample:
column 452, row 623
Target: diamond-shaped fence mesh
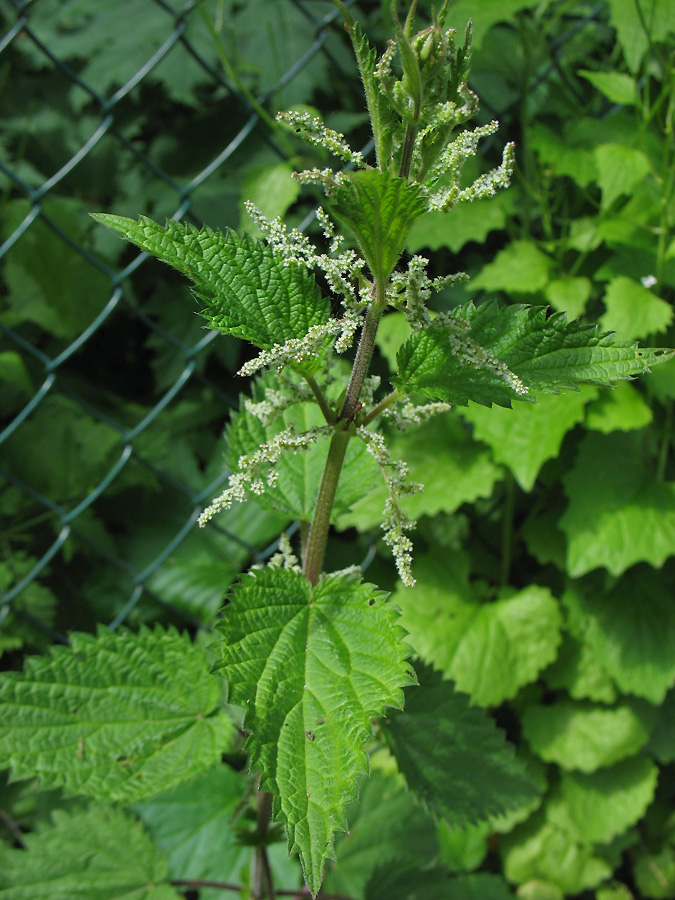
column 113, row 392
column 114, row 396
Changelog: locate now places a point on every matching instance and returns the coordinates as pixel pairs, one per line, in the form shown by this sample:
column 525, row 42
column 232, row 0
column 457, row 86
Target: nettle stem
column 344, row 432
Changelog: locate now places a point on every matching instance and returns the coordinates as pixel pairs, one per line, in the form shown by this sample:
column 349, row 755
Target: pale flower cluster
column 256, row 471
column 314, row 132
column 395, row 522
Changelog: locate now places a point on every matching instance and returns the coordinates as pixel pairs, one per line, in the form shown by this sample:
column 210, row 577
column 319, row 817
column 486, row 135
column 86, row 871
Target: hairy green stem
column 318, row 534
column 385, row 403
column 363, row 355
column 328, row 413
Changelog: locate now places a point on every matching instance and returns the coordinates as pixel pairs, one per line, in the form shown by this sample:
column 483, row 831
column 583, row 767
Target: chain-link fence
column 114, row 396
column 139, row 107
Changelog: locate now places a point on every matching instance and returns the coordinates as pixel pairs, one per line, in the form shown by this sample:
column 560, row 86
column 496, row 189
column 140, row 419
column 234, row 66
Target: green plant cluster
column 543, row 548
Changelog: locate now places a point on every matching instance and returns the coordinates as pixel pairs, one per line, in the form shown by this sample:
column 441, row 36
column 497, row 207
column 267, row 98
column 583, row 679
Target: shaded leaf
column 312, row 666
column 441, row 742
column 120, row 716
column 519, row 268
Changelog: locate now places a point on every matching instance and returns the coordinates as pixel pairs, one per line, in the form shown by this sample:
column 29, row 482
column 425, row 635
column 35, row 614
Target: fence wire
column 56, row 524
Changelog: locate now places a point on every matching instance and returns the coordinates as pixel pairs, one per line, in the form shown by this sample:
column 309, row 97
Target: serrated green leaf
column 96, row 854
column 478, row 351
column 583, row 737
column 653, row 20
column 312, row 666
column 562, row 155
column 441, row 456
column 440, row 742
column 633, row 311
column 603, row 804
column 247, row 288
column 524, row 437
column 380, row 209
column 463, row 849
column 294, row 494
column 616, row 86
column 490, row 649
column 621, row 408
column 578, row 671
column 569, row 295
column 120, row 716
column 632, row 641
column 654, row 872
column 387, row 828
column 519, row 268
column 618, row 513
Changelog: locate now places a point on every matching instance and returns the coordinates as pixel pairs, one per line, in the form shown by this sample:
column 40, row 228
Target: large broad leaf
column 248, row 289
column 380, row 209
column 490, row 650
column 583, row 737
column 121, row 716
column 494, row 355
column 312, row 666
column 398, row 883
column 441, row 742
column 603, row 804
column 531, row 433
column 97, row 854
column 619, row 513
column 632, row 641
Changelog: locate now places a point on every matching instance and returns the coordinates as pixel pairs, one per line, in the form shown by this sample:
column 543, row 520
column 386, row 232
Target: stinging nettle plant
column 313, row 656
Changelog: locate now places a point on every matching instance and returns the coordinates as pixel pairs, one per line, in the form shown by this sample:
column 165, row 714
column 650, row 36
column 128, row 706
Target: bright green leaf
column 619, row 513
column 580, row 736
column 95, row 854
column 603, row 804
column 561, row 155
column 632, row 641
column 272, row 189
column 440, row 742
column 397, row 883
column 524, row 437
column 380, row 209
column 247, row 288
column 312, row 666
column 463, row 223
column 633, row 311
column 463, row 849
column 578, row 671
column 616, row 86
column 490, row 649
column 620, row 170
column 629, row 21
column 620, row 408
column 441, row 456
column 120, row 716
column 519, row 268
column 493, row 355
column 569, row 295
column 654, row 872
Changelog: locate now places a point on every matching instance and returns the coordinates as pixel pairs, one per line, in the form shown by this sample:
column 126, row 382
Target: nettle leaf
column 583, row 737
column 492, row 355
column 520, row 267
column 619, row 514
column 490, row 650
column 616, row 86
column 434, row 884
column 620, row 170
column 603, row 804
column 119, row 716
column 380, row 209
column 632, row 641
column 312, row 666
column 620, row 408
column 441, row 742
column 95, row 854
column 662, row 742
column 248, row 290
column 633, row 311
column 531, row 433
